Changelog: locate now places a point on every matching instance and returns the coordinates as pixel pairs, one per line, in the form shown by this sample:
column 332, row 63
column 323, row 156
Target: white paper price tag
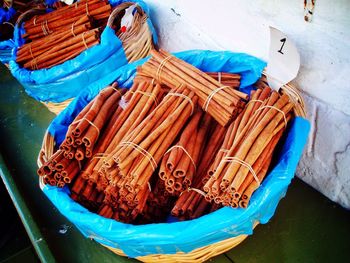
column 284, row 60
column 126, row 21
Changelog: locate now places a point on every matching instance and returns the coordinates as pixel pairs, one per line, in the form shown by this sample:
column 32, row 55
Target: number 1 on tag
column 283, row 40
column 284, row 60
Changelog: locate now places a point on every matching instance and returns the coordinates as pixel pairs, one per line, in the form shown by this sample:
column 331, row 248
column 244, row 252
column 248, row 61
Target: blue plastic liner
column 169, row 238
column 66, row 80
column 7, row 45
column 6, row 48
column 6, row 14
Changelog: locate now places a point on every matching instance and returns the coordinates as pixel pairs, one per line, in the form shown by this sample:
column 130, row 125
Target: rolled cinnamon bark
column 212, row 96
column 201, row 209
column 171, row 132
column 257, row 131
column 174, row 81
column 127, row 156
column 157, row 150
column 183, row 167
column 259, row 164
column 256, row 149
column 131, row 119
column 242, row 151
column 63, row 11
column 74, row 43
column 64, row 57
column 206, row 79
column 91, row 114
column 176, row 153
column 93, row 132
column 33, row 49
column 43, row 30
column 136, row 109
column 98, row 11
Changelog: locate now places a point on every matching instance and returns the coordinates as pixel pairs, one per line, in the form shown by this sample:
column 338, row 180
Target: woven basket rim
column 294, row 94
column 197, row 255
column 57, row 107
column 120, row 8
column 28, row 14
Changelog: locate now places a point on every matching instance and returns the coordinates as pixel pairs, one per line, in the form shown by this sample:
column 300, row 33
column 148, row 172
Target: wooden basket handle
column 47, row 149
column 120, row 8
column 29, row 14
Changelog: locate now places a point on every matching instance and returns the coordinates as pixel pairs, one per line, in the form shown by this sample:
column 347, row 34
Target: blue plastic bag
column 6, row 14
column 7, row 45
column 66, row 80
column 170, row 238
column 6, row 48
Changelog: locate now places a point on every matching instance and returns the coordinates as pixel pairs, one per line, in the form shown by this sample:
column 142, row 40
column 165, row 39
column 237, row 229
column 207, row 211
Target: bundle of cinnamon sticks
column 154, row 152
column 222, row 102
column 66, row 18
column 84, row 135
column 58, row 36
column 86, row 128
column 180, row 161
column 158, row 205
column 246, row 153
column 55, row 37
column 19, row 7
column 179, row 164
column 135, row 106
column 191, row 202
column 58, row 170
column 137, row 156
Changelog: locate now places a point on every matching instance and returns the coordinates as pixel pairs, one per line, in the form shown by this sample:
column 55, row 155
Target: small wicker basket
column 132, row 53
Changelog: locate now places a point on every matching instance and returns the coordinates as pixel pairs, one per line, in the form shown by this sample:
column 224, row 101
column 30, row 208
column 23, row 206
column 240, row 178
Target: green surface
column 14, row 242
column 306, row 227
column 29, row 223
column 25, row 255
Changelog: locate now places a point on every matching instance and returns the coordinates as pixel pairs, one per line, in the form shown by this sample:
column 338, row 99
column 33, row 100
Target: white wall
column 324, row 46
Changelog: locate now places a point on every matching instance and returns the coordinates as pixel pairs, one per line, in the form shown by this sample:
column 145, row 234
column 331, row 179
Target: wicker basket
column 200, row 254
column 57, row 107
